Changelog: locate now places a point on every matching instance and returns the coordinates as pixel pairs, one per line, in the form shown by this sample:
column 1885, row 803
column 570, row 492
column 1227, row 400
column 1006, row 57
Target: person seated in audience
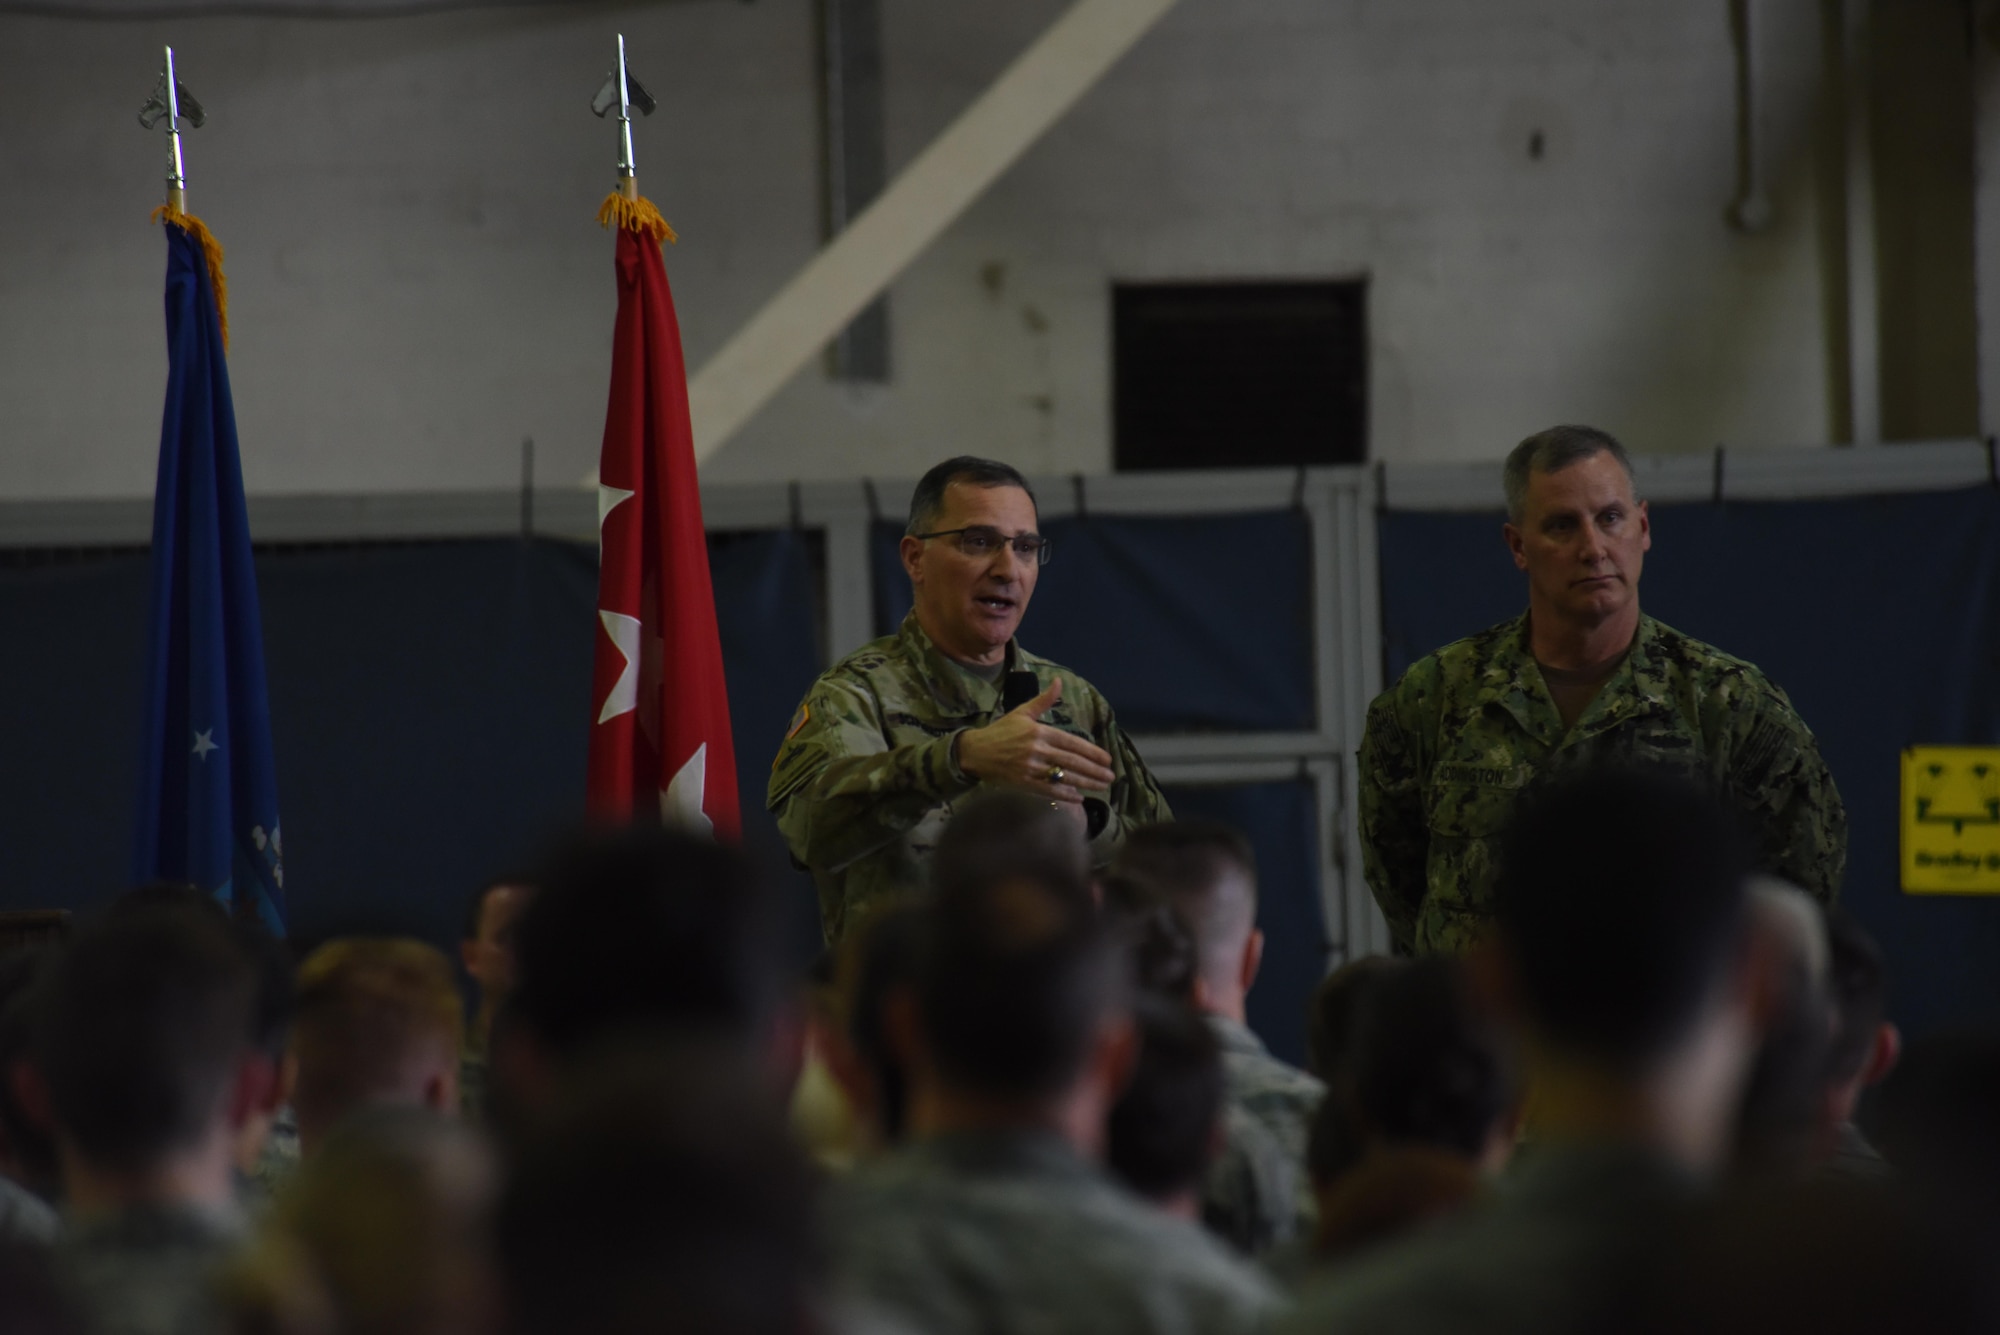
column 1779, row 1124
column 30, row 1176
column 823, row 1116
column 877, row 962
column 267, row 1147
column 639, row 929
column 1335, row 1013
column 1866, row 1046
column 1432, row 1110
column 151, row 1069
column 1208, row 873
column 487, row 954
column 996, row 1217
column 379, row 1023
column 661, row 1191
column 1167, row 1124
column 1250, row 1192
column 383, row 1231
column 1640, row 988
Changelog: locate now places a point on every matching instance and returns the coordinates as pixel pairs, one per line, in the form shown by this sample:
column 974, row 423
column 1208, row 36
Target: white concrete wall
column 417, row 281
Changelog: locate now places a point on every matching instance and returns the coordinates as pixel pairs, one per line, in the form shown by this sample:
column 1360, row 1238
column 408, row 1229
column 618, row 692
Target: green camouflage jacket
column 865, row 781
column 1450, row 747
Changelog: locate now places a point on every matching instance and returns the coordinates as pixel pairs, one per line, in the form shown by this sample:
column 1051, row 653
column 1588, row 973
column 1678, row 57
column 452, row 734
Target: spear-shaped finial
column 171, row 102
column 623, row 91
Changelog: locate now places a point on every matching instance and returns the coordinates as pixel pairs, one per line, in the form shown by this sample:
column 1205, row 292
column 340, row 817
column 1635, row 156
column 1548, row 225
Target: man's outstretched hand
column 1019, row 750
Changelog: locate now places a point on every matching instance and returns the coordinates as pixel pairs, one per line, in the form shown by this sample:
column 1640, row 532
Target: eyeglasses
column 981, row 542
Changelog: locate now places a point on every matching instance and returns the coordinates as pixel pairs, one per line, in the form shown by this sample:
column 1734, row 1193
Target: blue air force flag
column 208, row 793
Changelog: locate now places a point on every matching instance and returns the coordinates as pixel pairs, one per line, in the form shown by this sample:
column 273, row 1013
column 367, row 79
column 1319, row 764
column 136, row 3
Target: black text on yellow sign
column 1951, row 820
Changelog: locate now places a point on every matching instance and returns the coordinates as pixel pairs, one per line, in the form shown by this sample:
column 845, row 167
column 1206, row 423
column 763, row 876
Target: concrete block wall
column 1535, row 191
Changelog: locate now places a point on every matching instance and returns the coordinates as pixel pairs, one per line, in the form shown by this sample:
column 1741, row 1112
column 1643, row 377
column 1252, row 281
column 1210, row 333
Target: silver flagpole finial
column 624, row 92
column 171, row 102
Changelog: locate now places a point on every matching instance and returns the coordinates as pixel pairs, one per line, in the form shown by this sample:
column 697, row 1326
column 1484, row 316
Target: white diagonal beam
column 1031, row 95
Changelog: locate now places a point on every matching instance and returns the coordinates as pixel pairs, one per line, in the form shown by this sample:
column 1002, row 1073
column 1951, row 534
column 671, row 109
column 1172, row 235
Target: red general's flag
column 659, row 736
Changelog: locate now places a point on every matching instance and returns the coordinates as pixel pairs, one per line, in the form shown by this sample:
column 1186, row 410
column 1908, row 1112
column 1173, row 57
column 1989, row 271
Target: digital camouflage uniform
column 1279, row 1098
column 1251, row 1193
column 149, row 1269
column 1014, row 1233
column 865, row 781
column 1451, row 747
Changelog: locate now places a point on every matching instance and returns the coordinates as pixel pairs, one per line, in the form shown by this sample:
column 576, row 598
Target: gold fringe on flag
column 211, row 249
column 637, row 214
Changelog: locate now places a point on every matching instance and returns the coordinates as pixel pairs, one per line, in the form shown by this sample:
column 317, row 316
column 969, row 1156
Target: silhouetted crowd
column 1028, row 1103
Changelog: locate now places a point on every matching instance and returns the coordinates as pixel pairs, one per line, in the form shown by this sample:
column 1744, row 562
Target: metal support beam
column 1029, row 97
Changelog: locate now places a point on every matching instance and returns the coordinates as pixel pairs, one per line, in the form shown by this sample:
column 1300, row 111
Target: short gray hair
column 1552, row 451
column 928, row 499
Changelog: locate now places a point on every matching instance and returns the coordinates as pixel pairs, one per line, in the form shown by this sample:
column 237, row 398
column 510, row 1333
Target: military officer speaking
column 892, row 735
column 1584, row 676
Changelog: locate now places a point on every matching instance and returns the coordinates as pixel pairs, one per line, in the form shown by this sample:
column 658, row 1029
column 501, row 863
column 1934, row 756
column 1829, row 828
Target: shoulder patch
column 799, row 720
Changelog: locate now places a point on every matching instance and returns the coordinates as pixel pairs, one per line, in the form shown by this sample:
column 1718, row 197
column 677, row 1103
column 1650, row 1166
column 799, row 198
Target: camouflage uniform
column 1450, row 747
column 1012, row 1233
column 1281, row 1099
column 149, row 1269
column 1250, row 1195
column 865, row 781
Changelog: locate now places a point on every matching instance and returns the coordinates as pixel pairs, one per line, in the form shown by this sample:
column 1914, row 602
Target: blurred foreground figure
column 1584, row 678
column 152, row 1069
column 1166, row 1124
column 379, row 1023
column 383, row 1231
column 1208, row 873
column 1639, row 986
column 1778, row 1126
column 1866, row 1048
column 30, row 1175
column 995, row 1218
column 641, row 930
column 660, row 1191
column 1431, row 1112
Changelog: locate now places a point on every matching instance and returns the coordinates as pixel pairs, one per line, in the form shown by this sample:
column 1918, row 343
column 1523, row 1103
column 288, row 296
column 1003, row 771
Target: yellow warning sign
column 1951, row 820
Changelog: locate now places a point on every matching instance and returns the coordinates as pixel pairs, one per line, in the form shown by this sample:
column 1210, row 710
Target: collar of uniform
column 158, row 1225
column 955, row 690
column 1004, row 1152
column 1234, row 1037
column 1513, row 680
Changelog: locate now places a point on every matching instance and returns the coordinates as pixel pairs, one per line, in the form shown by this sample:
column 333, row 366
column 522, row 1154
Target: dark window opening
column 1239, row 375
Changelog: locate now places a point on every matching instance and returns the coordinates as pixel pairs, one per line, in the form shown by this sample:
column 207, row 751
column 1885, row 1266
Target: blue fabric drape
column 1878, row 616
column 1200, row 623
column 431, row 700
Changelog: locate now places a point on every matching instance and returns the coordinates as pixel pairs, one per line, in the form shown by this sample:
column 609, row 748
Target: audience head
column 1021, row 1004
column 487, row 948
column 879, row 963
column 1000, row 832
column 1779, row 1125
column 1626, row 938
column 379, row 1023
column 1164, row 1128
column 662, row 1191
column 1334, row 1015
column 1866, row 1045
column 384, row 1230
column 640, row 928
column 27, row 1138
column 1622, row 908
column 1432, row 1068
column 1159, row 943
column 146, row 1049
column 1208, row 873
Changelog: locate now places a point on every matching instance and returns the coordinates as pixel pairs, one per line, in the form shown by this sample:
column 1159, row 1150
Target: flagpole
column 176, row 168
column 628, row 167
